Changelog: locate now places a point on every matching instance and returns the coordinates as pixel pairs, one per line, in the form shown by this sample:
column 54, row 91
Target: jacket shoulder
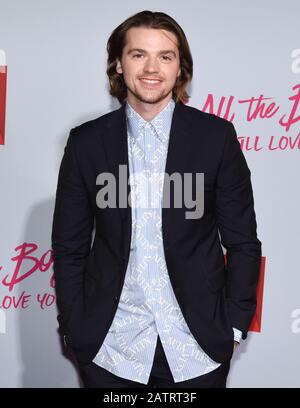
column 209, row 120
column 95, row 126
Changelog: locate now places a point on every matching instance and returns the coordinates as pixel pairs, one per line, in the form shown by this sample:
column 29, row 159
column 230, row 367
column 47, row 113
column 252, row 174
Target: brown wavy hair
column 148, row 19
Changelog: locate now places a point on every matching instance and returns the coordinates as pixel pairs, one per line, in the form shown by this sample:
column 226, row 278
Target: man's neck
column 148, row 110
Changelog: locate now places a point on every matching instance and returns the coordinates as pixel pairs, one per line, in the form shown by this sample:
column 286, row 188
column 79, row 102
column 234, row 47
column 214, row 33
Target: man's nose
column 151, row 65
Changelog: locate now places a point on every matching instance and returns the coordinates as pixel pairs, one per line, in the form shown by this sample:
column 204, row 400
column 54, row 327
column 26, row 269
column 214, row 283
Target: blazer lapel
column 176, row 161
column 115, row 144
column 178, row 142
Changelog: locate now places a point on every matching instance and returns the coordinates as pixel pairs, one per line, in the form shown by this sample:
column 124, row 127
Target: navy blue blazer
column 89, row 273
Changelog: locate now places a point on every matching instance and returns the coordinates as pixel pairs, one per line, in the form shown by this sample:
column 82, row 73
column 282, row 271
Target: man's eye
column 166, row 58
column 137, row 56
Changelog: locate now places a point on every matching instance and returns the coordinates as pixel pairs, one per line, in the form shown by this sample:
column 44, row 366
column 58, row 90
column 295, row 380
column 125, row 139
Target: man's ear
column 119, row 67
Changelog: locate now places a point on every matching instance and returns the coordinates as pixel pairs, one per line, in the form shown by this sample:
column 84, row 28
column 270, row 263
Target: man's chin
column 151, row 99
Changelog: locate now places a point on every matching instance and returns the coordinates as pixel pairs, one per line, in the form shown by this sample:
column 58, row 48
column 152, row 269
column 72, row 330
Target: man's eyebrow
column 162, row 52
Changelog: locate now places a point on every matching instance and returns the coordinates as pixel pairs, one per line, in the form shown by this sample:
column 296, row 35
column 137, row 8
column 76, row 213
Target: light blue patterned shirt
column 148, row 306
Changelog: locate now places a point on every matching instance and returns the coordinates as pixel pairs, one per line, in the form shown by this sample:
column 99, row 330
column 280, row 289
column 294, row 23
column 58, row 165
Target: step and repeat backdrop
column 52, row 78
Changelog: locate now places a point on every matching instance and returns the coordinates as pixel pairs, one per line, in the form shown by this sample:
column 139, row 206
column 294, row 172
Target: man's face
column 150, row 64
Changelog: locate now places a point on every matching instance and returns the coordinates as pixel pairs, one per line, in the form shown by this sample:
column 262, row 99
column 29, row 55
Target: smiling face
column 150, row 65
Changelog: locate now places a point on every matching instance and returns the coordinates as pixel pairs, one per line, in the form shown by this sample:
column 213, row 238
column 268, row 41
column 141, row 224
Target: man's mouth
column 150, row 81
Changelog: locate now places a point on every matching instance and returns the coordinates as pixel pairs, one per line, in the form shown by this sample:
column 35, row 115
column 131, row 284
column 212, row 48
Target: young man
column 152, row 302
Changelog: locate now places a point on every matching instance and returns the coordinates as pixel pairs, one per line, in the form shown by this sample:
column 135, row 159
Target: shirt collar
column 160, row 123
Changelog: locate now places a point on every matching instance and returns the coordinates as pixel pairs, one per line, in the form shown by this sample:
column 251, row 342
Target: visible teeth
column 150, row 81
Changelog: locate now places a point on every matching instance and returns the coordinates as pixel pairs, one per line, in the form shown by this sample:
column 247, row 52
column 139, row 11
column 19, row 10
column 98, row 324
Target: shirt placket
column 150, row 145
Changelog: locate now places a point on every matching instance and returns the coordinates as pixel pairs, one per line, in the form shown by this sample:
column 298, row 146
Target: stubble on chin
column 148, row 98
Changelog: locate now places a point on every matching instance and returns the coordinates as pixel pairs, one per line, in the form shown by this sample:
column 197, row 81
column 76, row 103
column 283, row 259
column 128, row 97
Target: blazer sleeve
column 237, row 226
column 71, row 237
